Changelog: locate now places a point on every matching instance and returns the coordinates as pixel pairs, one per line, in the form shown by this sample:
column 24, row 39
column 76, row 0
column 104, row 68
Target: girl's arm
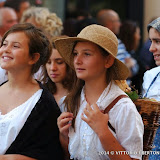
column 63, row 125
column 98, row 122
column 110, row 143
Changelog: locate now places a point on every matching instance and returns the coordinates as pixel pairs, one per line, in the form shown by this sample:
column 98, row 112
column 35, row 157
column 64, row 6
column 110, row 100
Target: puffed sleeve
column 129, row 127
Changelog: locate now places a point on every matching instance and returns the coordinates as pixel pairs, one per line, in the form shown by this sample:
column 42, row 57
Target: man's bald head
column 110, row 19
column 8, row 18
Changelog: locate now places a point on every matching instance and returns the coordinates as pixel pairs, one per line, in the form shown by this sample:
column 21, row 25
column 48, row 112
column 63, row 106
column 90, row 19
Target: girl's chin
column 158, row 63
column 3, row 67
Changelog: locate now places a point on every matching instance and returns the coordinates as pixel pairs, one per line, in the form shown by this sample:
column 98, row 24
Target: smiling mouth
column 6, row 58
column 156, row 56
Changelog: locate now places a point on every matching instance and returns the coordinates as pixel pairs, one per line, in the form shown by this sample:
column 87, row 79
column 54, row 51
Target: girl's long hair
column 68, row 82
column 126, row 35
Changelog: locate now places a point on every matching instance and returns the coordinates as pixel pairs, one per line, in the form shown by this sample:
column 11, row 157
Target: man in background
column 110, row 19
column 8, row 18
column 18, row 5
column 2, row 3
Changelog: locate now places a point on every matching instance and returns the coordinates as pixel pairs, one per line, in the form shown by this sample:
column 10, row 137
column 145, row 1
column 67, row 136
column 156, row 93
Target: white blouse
column 12, row 122
column 84, row 143
column 3, row 75
column 154, row 91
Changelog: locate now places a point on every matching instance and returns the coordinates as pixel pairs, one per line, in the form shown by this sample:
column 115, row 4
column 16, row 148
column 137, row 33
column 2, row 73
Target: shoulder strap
column 110, row 106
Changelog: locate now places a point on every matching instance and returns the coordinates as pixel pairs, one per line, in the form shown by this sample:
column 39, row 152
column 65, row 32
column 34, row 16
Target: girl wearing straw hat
column 100, row 119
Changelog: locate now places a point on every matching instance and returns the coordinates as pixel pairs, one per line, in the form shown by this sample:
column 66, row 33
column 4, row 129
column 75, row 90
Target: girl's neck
column 93, row 91
column 61, row 92
column 20, row 80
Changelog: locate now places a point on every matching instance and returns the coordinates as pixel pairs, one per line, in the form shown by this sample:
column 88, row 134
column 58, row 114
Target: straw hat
column 99, row 35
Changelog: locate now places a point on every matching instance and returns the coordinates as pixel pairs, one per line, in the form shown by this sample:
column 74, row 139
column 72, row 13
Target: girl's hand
column 97, row 120
column 64, row 123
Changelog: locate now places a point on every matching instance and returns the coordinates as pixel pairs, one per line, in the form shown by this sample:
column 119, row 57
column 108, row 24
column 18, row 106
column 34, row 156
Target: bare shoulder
column 3, row 90
column 12, row 97
column 4, row 97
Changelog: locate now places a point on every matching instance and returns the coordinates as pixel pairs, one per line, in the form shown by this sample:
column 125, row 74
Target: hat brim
column 65, row 48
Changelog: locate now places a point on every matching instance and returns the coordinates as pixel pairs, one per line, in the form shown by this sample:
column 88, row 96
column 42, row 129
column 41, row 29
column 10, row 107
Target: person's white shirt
column 12, row 122
column 84, row 144
column 3, row 76
column 154, row 91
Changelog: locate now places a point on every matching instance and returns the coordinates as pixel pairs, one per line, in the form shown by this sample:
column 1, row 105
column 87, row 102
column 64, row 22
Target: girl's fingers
column 95, row 107
column 86, row 112
column 65, row 121
column 66, row 115
column 65, row 128
column 88, row 107
column 83, row 118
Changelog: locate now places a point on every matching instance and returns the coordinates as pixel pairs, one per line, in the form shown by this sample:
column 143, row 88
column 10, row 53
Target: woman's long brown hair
column 68, row 82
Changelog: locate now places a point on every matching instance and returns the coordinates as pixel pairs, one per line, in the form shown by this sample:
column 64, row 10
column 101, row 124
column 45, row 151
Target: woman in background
column 49, row 22
column 41, row 17
column 59, row 77
column 129, row 36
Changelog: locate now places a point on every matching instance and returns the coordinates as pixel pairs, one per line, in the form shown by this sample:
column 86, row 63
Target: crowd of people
column 58, row 84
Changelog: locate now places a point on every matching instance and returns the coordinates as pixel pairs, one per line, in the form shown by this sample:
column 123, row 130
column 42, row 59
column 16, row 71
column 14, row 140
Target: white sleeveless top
column 12, row 122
